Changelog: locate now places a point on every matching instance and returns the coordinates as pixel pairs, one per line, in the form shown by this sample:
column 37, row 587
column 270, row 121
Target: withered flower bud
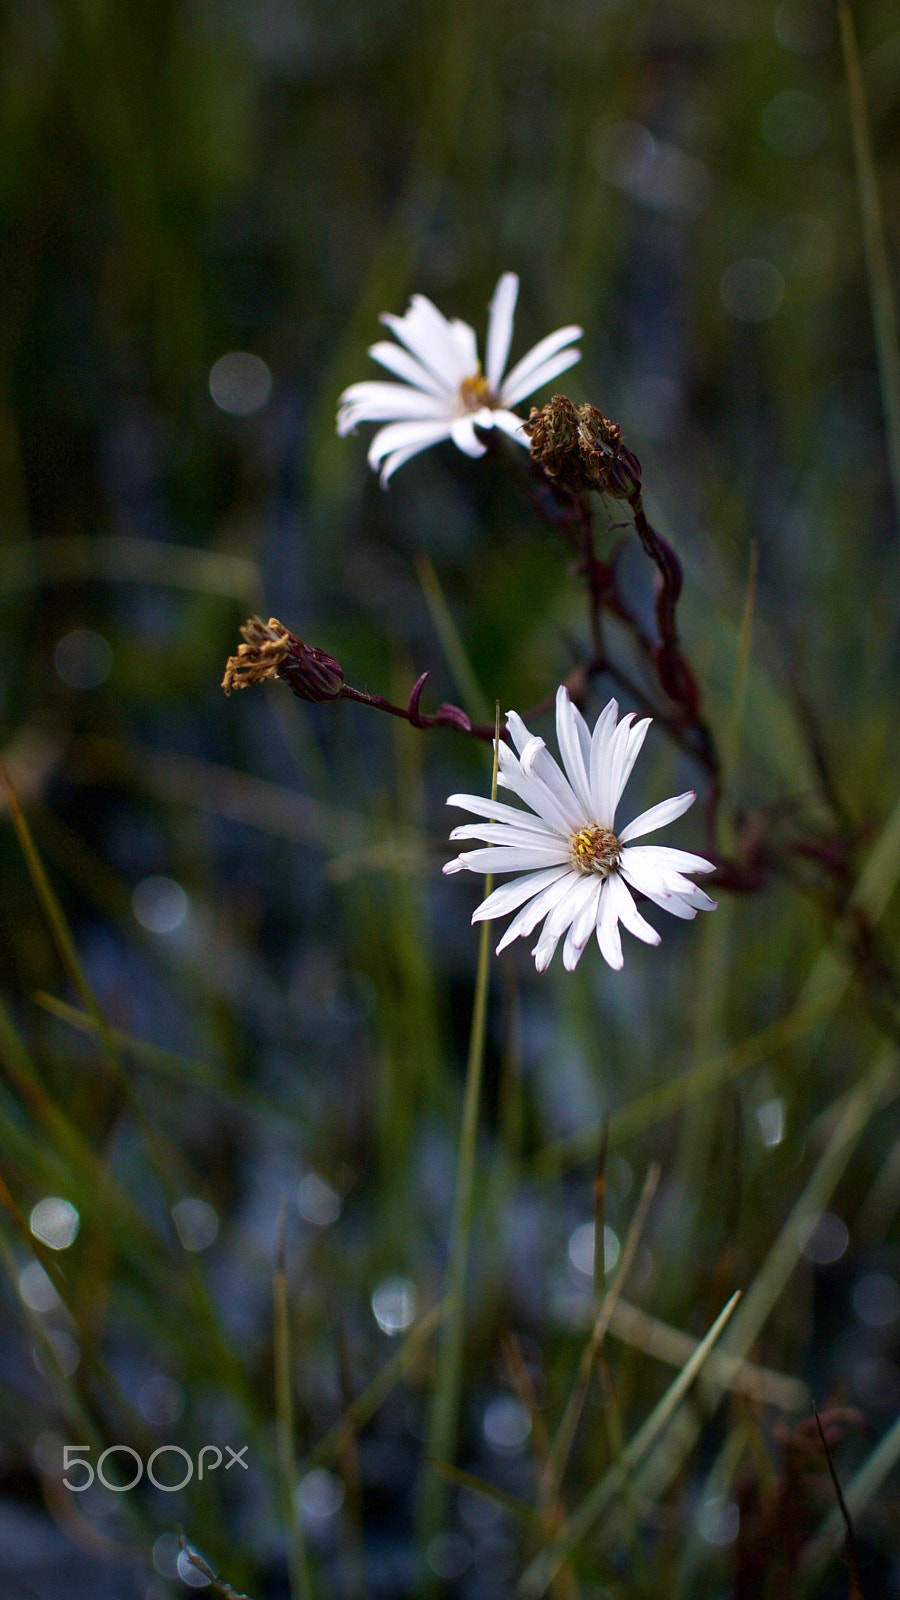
column 579, row 447
column 270, row 650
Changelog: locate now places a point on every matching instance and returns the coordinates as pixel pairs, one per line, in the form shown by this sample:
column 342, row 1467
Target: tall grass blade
column 884, row 315
column 298, row 1560
column 540, row 1574
column 443, row 1421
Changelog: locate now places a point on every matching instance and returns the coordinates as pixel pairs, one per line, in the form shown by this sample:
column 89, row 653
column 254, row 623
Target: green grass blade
column 540, row 1574
column 298, row 1560
column 443, row 1421
column 884, row 316
column 457, row 656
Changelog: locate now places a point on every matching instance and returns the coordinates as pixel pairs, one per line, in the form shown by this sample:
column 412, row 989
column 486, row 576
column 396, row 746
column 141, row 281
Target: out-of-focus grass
column 181, row 182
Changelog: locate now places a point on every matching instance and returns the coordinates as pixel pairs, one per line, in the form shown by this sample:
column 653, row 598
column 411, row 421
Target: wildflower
column 444, row 394
column 577, row 873
column 270, row 650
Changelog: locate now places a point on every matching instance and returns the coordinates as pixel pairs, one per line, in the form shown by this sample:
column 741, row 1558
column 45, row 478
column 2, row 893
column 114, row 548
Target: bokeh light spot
column 160, row 1400
column 506, row 1425
column 876, row 1299
column 751, row 290
column 770, row 1121
column 823, row 1239
column 317, row 1202
column 718, row 1520
column 581, row 1249
column 66, row 1350
column 794, row 124
column 83, row 659
column 449, row 1555
column 805, row 27
column 240, row 383
column 876, row 1381
column 320, row 1494
column 197, row 1223
column 159, row 904
column 394, row 1303
column 36, row 1288
column 55, row 1222
column 188, row 1573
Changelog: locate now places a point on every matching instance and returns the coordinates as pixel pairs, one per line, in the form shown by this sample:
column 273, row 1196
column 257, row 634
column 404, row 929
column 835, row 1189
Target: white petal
column 608, row 936
column 584, row 737
column 537, row 762
column 500, row 327
column 698, row 898
column 522, row 379
column 509, row 896
column 530, row 754
column 613, row 763
column 533, row 792
column 632, row 750
column 672, row 860
column 667, row 888
column 657, row 816
column 583, row 925
column 462, row 432
column 406, row 438
column 650, row 876
column 509, row 423
column 518, row 858
column 572, row 951
column 430, row 338
column 571, row 748
column 559, row 920
column 673, row 903
column 541, row 376
column 502, row 833
column 530, row 915
column 398, row 360
column 660, row 868
column 496, row 811
column 518, row 731
column 400, row 435
column 627, row 911
column 397, row 458
column 604, row 729
column 387, row 402
column 466, row 345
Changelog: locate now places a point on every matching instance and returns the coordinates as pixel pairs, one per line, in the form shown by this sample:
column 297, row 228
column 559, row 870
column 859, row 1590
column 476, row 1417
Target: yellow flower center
column 596, row 850
column 474, row 392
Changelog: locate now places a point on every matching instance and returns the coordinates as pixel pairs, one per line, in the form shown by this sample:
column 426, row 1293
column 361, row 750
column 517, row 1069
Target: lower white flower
column 577, row 873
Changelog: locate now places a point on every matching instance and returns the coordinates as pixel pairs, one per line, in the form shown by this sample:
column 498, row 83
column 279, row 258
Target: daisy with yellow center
column 444, row 394
column 578, row 875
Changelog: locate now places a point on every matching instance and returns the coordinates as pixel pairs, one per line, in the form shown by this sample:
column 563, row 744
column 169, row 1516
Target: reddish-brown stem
column 446, row 716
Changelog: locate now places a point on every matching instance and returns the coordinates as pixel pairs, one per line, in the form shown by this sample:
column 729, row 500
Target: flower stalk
column 444, row 1418
column 269, row 651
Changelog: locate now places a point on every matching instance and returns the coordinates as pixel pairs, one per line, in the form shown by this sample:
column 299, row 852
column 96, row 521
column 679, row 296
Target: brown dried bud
column 270, row 650
column 579, row 447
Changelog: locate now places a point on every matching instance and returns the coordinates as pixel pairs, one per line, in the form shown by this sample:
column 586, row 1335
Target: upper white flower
column 444, row 394
column 577, row 872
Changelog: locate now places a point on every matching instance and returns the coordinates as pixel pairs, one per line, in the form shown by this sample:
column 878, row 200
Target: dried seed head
column 582, row 449
column 270, row 650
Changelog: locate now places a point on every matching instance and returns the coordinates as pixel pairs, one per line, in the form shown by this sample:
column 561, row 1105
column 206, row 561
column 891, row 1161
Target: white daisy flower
column 444, row 394
column 577, row 873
